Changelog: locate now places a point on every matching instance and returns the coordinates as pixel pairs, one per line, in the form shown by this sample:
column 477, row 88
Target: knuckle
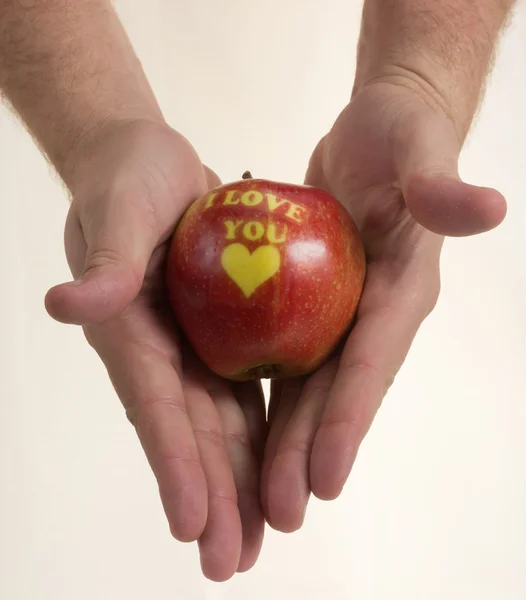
column 296, row 446
column 241, row 439
column 102, row 257
column 223, row 497
column 385, row 379
column 361, row 365
column 353, row 424
column 164, row 462
column 143, row 412
column 210, row 435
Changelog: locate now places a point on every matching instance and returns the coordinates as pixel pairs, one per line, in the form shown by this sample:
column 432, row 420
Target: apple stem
column 247, row 175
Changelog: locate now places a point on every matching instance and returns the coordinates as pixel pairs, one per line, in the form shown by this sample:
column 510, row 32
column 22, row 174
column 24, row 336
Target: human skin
column 87, row 102
column 392, row 159
column 421, row 68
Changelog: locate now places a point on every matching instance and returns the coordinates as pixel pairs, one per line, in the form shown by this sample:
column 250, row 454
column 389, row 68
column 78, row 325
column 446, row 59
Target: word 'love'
column 253, row 198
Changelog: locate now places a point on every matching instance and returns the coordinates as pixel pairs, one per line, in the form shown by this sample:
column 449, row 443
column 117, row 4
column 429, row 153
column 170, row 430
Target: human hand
column 202, row 436
column 391, row 159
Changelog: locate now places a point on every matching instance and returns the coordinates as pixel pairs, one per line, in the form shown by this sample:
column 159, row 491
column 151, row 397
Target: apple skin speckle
column 251, row 312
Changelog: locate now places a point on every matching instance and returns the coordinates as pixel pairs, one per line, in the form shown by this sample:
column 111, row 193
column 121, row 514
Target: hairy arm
column 69, row 70
column 442, row 47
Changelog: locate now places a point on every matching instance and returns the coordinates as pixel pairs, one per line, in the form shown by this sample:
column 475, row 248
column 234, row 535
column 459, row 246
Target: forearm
column 68, row 69
column 443, row 47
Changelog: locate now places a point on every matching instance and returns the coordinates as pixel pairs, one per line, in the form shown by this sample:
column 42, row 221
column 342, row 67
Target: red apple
column 265, row 278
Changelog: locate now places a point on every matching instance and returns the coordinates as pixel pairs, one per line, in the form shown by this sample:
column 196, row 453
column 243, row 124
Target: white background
column 436, row 507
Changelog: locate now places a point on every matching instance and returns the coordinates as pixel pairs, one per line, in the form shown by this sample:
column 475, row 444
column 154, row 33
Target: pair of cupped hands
column 224, row 465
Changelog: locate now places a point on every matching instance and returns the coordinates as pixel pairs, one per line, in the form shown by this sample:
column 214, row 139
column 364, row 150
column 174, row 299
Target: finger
column 289, row 390
column 389, row 317
column 141, row 361
column 220, row 542
column 426, row 148
column 451, row 207
column 288, row 486
column 119, row 240
column 212, row 178
column 243, row 427
column 119, row 230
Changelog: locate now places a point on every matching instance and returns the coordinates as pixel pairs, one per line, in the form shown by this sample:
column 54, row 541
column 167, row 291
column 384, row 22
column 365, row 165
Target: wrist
column 75, row 154
column 439, row 93
column 441, row 50
column 71, row 73
column 103, row 144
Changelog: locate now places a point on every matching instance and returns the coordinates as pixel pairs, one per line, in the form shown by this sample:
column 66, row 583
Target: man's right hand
column 202, row 436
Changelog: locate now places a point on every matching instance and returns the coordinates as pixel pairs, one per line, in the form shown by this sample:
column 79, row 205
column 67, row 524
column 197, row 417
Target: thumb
column 426, row 148
column 108, row 249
